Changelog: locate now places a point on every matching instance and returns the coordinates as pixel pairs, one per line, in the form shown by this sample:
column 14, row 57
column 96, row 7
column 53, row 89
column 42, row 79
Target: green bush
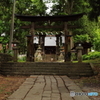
column 91, row 55
column 73, row 56
column 10, row 52
column 22, row 59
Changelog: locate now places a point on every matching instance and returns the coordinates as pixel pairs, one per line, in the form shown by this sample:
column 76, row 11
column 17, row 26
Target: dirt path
column 90, row 84
column 9, row 84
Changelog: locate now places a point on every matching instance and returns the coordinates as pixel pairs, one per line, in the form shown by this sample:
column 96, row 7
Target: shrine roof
column 64, row 18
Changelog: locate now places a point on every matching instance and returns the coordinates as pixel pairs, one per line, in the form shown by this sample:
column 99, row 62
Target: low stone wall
column 69, row 69
column 5, row 57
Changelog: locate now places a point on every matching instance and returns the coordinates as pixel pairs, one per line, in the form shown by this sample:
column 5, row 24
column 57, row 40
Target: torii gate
column 33, row 19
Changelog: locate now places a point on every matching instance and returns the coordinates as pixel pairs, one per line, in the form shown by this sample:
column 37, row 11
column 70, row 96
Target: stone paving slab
column 47, row 87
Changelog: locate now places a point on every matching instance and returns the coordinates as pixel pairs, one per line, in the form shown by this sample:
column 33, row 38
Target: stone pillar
column 79, row 49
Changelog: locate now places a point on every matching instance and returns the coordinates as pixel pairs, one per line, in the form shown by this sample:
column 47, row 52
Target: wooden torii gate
column 33, row 19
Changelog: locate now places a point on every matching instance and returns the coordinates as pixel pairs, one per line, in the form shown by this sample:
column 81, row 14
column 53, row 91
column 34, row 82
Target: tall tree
column 12, row 26
column 30, row 7
column 25, row 7
column 5, row 14
column 70, row 7
column 95, row 12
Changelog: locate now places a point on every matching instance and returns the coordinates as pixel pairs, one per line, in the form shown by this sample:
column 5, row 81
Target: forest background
column 89, row 24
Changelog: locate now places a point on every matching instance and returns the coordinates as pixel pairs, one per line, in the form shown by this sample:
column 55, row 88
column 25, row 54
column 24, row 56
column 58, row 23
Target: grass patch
column 1, row 90
column 22, row 59
column 97, row 60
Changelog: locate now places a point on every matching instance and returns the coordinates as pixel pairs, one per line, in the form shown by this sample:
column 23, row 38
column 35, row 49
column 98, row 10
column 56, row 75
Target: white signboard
column 50, row 41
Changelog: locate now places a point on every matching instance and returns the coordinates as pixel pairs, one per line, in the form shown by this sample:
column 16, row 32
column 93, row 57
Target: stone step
column 45, row 65
column 70, row 69
column 31, row 63
column 53, row 70
column 48, row 73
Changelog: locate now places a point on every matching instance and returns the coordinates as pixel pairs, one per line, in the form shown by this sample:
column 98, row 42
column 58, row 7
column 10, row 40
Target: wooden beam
column 48, row 27
column 26, row 27
column 63, row 18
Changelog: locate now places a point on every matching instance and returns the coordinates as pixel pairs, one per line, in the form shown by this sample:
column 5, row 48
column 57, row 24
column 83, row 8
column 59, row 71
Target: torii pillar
column 43, row 42
column 57, row 45
column 67, row 52
column 30, row 44
column 40, row 38
column 42, row 45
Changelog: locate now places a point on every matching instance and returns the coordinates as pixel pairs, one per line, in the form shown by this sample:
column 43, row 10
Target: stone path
column 43, row 87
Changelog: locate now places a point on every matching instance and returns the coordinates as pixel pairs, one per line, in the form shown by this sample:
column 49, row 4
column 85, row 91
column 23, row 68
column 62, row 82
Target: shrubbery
column 91, row 55
column 22, row 58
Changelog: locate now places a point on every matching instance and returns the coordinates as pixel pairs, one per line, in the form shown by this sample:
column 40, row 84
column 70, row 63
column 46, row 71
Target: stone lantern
column 61, row 56
column 38, row 54
column 15, row 49
column 79, row 49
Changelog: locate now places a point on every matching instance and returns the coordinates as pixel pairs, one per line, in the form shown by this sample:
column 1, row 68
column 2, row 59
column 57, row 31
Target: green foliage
column 73, row 56
column 10, row 52
column 95, row 12
column 81, row 38
column 85, row 26
column 87, row 31
column 1, row 51
column 99, row 21
column 70, row 6
column 4, row 40
column 22, row 59
column 30, row 7
column 91, row 55
column 81, row 6
column 62, row 7
column 96, row 40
